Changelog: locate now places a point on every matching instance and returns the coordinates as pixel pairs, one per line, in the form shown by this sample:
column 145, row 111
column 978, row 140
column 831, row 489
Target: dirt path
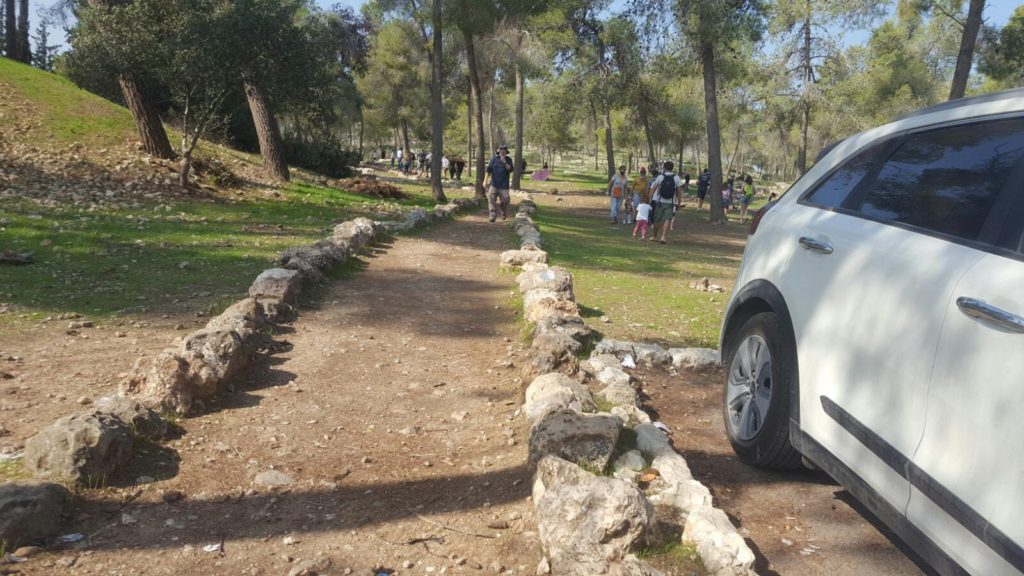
column 390, row 418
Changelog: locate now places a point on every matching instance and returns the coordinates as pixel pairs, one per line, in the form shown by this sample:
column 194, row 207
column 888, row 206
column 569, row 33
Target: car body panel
column 971, row 447
column 885, row 292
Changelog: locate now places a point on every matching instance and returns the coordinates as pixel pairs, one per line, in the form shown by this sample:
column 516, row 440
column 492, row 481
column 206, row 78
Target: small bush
column 371, row 187
column 325, row 156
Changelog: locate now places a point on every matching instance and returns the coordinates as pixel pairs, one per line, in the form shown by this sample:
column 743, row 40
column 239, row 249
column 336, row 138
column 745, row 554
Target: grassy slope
column 68, row 113
column 641, row 286
column 160, row 256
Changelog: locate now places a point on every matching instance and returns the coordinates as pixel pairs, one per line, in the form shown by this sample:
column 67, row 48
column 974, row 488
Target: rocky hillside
column 59, row 143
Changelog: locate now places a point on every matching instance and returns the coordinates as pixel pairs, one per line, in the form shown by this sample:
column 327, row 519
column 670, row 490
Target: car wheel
column 761, row 367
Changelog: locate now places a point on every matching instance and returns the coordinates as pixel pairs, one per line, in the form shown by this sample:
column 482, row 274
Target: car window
column 1012, row 236
column 837, row 186
column 946, row 180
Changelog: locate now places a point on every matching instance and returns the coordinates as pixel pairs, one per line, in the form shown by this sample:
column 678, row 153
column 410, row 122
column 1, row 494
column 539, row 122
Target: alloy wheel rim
column 749, row 390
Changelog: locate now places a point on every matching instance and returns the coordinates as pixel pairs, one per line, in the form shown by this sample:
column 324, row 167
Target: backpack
column 667, row 189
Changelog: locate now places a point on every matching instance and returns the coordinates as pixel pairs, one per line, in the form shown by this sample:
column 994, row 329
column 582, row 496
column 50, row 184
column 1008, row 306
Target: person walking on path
column 639, row 189
column 616, row 191
column 703, row 183
column 748, row 196
column 498, row 173
column 643, row 215
column 666, row 189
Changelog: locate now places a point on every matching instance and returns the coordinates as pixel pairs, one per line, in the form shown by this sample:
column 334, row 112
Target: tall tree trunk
column 597, row 139
column 736, row 148
column 647, row 135
column 10, row 30
column 805, row 104
column 609, row 150
column 707, row 60
column 147, row 119
column 24, row 52
column 469, row 129
column 406, row 149
column 268, row 133
column 361, row 125
column 436, row 109
column 474, row 78
column 696, row 155
column 517, row 174
column 966, row 54
column 490, row 121
column 682, row 144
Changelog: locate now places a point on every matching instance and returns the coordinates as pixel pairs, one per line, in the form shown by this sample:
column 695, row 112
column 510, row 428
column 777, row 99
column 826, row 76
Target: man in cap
column 499, row 171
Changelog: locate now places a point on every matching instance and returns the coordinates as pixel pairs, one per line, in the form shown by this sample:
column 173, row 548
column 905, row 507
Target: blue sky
column 997, row 12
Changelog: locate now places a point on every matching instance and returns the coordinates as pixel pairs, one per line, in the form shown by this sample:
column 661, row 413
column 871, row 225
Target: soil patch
column 800, row 523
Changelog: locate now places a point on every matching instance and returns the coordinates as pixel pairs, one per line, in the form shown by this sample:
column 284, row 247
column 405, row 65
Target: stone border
column 89, row 447
column 589, row 523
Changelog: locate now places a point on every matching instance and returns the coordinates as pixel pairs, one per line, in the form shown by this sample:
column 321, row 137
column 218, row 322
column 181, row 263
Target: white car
column 877, row 330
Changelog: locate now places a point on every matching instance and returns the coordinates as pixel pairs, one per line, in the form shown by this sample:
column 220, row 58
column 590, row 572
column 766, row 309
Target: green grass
column 160, row 257
column 677, row 556
column 13, row 470
column 603, row 405
column 69, row 113
column 643, row 286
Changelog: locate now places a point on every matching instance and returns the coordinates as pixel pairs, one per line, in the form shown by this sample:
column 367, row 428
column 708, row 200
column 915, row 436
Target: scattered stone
column 651, row 440
column 28, row 551
column 30, row 511
column 552, row 353
column 86, row 448
column 649, row 354
column 586, row 439
column 721, row 548
column 84, row 400
column 172, row 496
column 554, row 278
column 632, row 461
column 516, row 258
column 279, row 284
column 694, row 358
column 142, row 421
column 272, row 478
column 630, row 415
column 554, row 391
column 312, row 567
column 587, row 521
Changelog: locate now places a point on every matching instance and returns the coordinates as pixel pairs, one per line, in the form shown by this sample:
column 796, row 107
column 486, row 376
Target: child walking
column 643, row 215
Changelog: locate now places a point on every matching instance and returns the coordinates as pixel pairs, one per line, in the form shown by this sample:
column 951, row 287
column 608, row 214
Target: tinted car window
column 837, row 186
column 947, row 180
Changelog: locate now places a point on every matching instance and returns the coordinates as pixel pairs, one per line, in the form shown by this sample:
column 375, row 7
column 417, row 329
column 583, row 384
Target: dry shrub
column 372, row 187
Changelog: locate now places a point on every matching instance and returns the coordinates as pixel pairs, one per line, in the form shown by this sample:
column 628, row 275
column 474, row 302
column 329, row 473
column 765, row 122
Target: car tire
column 761, row 372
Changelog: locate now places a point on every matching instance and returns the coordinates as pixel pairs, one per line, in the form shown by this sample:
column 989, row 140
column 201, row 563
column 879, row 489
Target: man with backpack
column 703, row 183
column 498, row 173
column 666, row 189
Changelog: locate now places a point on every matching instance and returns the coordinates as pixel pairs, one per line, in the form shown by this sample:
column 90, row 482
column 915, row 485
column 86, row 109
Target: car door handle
column 979, row 309
column 815, row 245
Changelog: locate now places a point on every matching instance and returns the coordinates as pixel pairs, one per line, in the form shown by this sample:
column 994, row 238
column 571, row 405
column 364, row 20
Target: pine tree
column 44, row 53
column 24, row 51
column 10, row 30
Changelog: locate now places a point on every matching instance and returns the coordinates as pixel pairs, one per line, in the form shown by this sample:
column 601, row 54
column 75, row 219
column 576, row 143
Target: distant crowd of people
column 419, row 163
column 652, row 199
